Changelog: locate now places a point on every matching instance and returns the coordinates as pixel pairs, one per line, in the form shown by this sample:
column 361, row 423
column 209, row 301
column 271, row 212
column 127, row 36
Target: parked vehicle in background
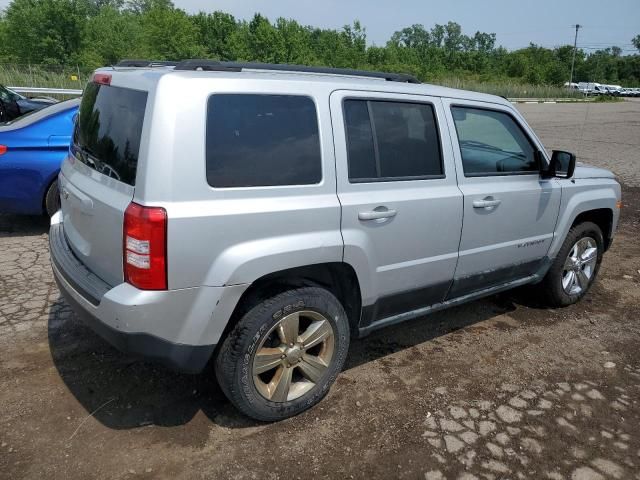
column 13, row 105
column 32, row 148
column 589, row 88
column 615, row 90
column 278, row 211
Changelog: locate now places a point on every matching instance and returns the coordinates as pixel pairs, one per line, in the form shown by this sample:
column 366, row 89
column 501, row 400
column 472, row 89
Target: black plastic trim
column 403, row 302
column 479, row 281
column 416, row 303
column 410, row 315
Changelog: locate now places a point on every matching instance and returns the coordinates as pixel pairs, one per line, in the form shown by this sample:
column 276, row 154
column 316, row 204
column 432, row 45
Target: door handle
column 486, row 203
column 377, row 214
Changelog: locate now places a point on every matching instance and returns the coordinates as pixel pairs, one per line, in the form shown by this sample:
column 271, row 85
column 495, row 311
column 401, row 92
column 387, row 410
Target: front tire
column 575, row 268
column 283, row 355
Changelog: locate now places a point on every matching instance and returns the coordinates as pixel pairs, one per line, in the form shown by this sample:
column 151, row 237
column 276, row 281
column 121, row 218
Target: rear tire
column 575, row 267
column 283, row 355
column 52, row 199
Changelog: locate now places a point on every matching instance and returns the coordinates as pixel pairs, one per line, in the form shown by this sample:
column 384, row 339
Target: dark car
column 14, row 105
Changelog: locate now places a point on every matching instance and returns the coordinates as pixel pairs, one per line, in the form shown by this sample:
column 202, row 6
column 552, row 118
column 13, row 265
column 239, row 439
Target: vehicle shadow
column 23, row 225
column 123, row 392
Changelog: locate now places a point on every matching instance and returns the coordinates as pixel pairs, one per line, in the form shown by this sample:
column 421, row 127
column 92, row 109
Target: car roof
column 145, row 77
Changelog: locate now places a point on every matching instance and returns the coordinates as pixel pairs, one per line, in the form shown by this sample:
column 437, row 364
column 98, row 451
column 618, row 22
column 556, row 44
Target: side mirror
column 562, row 165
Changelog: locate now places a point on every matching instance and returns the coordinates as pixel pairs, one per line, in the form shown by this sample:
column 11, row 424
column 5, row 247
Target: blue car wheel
column 52, row 199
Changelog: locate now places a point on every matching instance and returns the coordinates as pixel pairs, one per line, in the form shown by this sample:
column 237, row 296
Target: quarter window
column 262, row 140
column 492, row 143
column 389, row 140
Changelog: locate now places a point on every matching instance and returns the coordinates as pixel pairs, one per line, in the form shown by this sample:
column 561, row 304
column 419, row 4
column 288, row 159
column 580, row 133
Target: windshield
column 34, row 116
column 9, row 95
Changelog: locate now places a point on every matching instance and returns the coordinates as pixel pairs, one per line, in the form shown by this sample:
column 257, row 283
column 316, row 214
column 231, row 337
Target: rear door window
column 388, row 140
column 258, row 140
column 108, row 131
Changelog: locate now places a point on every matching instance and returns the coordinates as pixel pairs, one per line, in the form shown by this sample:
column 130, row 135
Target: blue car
column 32, row 148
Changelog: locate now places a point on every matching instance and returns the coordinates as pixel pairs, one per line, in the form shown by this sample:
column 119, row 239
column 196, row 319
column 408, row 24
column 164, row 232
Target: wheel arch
column 595, row 203
column 603, row 218
column 339, row 278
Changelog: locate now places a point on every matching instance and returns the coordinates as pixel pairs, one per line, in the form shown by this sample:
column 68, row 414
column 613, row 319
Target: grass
column 42, row 76
column 510, row 89
column 63, row 77
column 608, row 99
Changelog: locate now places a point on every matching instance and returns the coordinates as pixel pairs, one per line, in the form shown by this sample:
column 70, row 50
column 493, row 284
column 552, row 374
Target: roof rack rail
column 216, row 66
column 145, row 63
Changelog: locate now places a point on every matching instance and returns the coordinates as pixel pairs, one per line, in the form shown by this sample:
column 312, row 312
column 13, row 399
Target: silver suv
column 262, row 216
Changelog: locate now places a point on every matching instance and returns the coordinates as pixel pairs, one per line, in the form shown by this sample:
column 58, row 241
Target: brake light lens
column 145, row 247
column 102, row 78
column 3, row 149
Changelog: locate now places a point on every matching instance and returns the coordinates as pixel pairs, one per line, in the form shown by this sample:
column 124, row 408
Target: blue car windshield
column 37, row 115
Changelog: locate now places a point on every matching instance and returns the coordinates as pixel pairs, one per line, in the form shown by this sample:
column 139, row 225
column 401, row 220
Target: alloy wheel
column 579, row 267
column 293, row 356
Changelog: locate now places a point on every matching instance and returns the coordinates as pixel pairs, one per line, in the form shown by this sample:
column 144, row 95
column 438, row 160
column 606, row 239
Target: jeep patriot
column 263, row 216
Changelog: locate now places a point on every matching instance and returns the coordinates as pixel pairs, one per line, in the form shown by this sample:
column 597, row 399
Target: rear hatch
column 98, row 180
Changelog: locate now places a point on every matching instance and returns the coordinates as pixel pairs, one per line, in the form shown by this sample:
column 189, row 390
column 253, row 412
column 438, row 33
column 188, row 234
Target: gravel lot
column 499, row 388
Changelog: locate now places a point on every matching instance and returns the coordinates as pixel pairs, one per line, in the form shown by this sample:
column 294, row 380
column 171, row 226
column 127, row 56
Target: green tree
column 101, row 32
column 111, row 36
column 263, row 42
column 295, row 41
column 169, row 34
column 143, row 6
column 215, row 34
column 45, row 31
column 4, row 52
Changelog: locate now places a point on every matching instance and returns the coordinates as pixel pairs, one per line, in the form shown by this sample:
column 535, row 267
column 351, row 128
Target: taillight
column 145, row 247
column 102, row 78
column 3, row 149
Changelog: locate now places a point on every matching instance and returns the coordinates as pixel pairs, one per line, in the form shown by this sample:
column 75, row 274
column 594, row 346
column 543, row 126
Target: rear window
column 262, row 140
column 107, row 135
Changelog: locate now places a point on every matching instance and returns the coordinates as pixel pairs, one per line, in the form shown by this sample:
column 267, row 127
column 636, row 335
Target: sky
column 515, row 22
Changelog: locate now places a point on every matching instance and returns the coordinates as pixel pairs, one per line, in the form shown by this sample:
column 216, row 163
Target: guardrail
column 551, row 100
column 47, row 91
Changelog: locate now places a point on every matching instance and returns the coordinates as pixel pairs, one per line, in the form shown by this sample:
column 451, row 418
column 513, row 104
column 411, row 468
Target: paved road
column 602, row 134
column 500, row 388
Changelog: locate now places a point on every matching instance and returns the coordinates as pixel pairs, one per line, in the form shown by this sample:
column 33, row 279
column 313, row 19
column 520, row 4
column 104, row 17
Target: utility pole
column 575, row 47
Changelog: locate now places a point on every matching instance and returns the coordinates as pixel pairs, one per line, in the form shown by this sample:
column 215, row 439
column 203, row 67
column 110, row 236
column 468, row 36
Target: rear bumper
column 183, row 358
column 144, row 323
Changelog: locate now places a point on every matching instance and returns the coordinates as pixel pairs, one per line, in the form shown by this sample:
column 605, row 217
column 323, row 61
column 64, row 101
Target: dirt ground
column 499, row 388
